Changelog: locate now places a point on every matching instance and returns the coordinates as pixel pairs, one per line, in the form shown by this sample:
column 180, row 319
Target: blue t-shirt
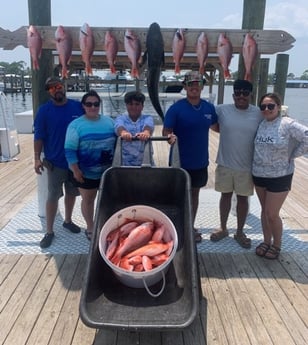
column 191, row 125
column 90, row 144
column 50, row 126
column 133, row 151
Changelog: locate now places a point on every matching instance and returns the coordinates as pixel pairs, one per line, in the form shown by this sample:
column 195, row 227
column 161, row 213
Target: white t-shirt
column 237, row 133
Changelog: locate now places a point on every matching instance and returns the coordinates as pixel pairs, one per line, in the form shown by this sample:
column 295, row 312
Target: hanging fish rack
column 268, row 41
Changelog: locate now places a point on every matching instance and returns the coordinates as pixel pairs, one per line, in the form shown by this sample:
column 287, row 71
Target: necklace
column 197, row 108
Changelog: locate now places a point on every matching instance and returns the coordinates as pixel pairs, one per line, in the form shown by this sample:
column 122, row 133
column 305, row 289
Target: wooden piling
column 253, row 18
column 40, row 14
column 281, row 73
column 262, row 88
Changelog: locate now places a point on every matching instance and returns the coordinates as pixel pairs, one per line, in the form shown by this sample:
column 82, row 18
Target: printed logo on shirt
column 268, row 139
column 208, row 116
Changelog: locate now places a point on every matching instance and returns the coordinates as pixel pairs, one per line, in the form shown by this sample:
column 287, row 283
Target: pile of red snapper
column 139, row 245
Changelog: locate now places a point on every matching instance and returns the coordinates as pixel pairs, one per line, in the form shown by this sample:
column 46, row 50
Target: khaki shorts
column 228, row 180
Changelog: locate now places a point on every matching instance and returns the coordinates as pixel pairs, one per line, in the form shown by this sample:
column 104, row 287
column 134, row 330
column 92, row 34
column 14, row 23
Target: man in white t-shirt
column 237, row 125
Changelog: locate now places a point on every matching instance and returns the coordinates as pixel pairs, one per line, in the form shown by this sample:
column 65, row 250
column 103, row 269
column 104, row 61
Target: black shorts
column 87, row 184
column 274, row 184
column 198, row 177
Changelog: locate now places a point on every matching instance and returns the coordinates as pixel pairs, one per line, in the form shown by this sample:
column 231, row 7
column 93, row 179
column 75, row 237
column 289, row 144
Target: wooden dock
column 245, row 299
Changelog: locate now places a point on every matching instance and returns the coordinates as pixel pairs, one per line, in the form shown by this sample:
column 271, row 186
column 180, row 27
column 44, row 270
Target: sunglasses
column 92, row 104
column 55, row 87
column 192, row 83
column 269, row 106
column 245, row 93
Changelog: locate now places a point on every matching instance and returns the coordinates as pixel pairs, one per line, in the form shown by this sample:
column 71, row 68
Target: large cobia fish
column 86, row 43
column 132, row 46
column 64, row 45
column 202, row 51
column 178, row 47
column 155, row 57
column 35, row 43
column 224, row 51
column 111, row 49
column 250, row 52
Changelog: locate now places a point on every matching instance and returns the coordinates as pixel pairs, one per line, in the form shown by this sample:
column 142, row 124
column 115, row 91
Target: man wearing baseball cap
column 190, row 119
column 50, row 124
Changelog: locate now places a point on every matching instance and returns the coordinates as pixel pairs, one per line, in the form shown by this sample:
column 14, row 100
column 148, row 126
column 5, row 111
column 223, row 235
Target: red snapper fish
column 132, row 47
column 202, row 50
column 64, row 45
column 178, row 47
column 86, row 43
column 111, row 48
column 224, row 51
column 250, row 52
column 136, row 238
column 150, row 249
column 35, row 43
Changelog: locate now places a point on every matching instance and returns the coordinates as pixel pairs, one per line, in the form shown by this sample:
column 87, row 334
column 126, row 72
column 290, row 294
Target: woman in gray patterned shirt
column 279, row 140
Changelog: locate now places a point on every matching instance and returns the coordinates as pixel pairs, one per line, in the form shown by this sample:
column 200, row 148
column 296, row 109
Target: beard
column 59, row 97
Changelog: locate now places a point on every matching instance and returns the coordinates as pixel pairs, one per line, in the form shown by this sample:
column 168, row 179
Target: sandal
column 198, row 237
column 262, row 249
column 218, row 235
column 272, row 253
column 88, row 235
column 243, row 240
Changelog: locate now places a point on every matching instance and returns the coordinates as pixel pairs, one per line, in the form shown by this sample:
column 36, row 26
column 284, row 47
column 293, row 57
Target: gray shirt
column 277, row 143
column 237, row 132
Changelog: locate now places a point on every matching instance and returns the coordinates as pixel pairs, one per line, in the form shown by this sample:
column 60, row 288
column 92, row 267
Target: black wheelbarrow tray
column 107, row 303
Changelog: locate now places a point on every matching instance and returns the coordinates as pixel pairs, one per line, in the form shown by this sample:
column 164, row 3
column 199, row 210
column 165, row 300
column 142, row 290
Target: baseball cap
column 52, row 81
column 240, row 84
column 193, row 76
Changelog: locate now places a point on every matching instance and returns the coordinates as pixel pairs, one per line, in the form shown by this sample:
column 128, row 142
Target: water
column 295, row 98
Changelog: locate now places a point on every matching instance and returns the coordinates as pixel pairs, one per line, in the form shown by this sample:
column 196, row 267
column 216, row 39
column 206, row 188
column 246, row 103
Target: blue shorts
column 274, row 184
column 198, row 177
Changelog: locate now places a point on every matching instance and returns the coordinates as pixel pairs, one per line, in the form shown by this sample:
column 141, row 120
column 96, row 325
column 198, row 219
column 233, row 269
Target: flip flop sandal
column 88, row 235
column 243, row 240
column 272, row 253
column 218, row 235
column 262, row 249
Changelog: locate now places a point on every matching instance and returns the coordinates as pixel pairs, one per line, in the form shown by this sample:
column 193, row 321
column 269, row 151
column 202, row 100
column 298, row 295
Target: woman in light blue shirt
column 89, row 148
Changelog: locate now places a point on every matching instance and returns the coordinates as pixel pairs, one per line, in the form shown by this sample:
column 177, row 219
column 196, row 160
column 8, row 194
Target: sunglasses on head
column 55, row 87
column 269, row 106
column 91, row 104
column 245, row 93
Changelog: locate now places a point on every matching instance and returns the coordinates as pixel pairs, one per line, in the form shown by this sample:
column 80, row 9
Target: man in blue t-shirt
column 190, row 120
column 50, row 124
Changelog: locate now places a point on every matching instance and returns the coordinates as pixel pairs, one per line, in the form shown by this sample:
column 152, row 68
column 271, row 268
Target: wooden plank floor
column 246, row 299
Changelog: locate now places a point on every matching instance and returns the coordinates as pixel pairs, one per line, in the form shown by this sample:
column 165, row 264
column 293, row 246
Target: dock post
column 253, row 18
column 40, row 14
column 263, row 77
column 281, row 73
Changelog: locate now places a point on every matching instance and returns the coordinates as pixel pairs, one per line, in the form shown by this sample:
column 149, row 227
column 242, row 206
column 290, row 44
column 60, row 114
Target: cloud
column 289, row 17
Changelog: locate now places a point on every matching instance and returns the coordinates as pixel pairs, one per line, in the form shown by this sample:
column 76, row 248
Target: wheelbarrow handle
column 161, row 138
column 174, row 157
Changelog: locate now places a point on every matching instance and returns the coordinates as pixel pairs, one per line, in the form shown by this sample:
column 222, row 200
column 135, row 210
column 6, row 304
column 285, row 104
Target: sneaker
column 46, row 240
column 71, row 227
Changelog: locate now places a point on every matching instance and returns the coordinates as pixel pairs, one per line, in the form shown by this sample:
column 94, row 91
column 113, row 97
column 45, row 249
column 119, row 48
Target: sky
column 290, row 16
